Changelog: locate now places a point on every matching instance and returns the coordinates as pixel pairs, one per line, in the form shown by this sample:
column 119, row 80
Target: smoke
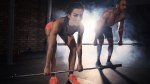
column 57, row 13
column 128, row 55
column 89, row 21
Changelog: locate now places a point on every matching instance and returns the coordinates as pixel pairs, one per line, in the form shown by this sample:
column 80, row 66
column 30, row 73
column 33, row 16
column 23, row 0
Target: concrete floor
column 135, row 67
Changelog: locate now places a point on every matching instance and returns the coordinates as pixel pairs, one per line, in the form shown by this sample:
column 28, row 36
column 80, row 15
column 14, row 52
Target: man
column 103, row 28
column 65, row 27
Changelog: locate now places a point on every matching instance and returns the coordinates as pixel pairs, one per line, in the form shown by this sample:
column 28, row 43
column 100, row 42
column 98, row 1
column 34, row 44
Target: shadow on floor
column 104, row 78
column 130, row 81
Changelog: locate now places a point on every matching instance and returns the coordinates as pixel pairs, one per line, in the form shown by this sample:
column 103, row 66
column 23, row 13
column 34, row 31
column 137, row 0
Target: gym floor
column 133, row 70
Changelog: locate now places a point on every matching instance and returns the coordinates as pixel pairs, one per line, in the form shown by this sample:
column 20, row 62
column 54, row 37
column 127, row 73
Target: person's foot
column 73, row 79
column 98, row 63
column 109, row 63
column 80, row 67
column 53, row 80
column 120, row 43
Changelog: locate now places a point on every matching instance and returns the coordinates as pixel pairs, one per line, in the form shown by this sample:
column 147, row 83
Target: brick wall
column 30, row 19
column 29, row 22
column 4, row 24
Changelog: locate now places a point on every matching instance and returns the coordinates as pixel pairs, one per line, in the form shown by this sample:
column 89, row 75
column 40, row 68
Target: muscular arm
column 120, row 31
column 47, row 32
column 79, row 43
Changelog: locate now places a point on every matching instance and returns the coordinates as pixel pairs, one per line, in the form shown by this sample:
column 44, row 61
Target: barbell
column 61, row 44
column 58, row 72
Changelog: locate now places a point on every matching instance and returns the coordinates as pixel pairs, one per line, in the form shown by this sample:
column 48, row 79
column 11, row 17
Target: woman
column 65, row 27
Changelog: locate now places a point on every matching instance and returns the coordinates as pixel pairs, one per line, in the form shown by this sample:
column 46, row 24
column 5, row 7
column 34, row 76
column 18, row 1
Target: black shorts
column 107, row 32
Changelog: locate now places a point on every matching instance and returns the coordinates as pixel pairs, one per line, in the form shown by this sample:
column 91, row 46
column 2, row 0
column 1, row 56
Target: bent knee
column 73, row 48
column 110, row 43
column 101, row 41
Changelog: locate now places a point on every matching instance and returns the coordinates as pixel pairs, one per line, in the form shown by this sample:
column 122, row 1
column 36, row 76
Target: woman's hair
column 72, row 6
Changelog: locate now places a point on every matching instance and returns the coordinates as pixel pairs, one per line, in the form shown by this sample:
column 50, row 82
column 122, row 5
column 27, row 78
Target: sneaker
column 53, row 80
column 98, row 63
column 109, row 63
column 73, row 79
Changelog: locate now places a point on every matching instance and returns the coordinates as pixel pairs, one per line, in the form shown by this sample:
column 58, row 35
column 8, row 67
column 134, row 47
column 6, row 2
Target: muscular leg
column 72, row 54
column 99, row 49
column 110, row 48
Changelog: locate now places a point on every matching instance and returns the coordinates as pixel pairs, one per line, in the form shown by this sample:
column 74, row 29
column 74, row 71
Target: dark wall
column 140, row 15
column 30, row 19
column 4, row 24
column 29, row 22
column 140, row 20
column 138, row 2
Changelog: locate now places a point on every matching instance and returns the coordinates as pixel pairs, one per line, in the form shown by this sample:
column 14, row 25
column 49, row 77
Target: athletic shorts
column 106, row 32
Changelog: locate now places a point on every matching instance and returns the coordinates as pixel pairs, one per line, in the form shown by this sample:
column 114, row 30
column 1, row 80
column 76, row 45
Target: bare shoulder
column 57, row 24
column 107, row 12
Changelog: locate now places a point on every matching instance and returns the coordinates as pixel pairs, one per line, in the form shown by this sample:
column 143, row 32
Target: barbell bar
column 57, row 72
column 61, row 44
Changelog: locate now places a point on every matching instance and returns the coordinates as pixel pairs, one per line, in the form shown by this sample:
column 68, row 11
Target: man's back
column 111, row 16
